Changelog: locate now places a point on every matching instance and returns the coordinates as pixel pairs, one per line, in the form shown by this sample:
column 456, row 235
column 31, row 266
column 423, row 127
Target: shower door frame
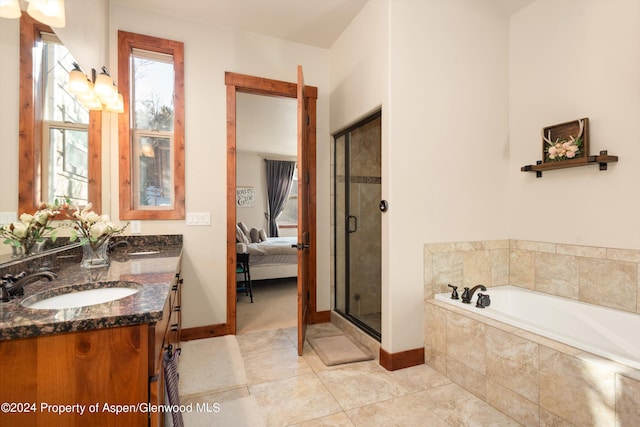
column 346, row 312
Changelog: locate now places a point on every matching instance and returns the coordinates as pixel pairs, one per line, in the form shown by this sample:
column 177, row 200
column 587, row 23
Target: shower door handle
column 355, row 224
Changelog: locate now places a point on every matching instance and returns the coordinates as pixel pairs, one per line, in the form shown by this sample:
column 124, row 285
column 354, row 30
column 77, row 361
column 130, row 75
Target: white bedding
column 274, row 257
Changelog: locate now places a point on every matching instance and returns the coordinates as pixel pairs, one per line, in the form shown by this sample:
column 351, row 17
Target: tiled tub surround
column 533, row 379
column 612, row 334
column 154, row 269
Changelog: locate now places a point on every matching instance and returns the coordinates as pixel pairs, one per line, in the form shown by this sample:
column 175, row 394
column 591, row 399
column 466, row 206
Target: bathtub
column 603, row 331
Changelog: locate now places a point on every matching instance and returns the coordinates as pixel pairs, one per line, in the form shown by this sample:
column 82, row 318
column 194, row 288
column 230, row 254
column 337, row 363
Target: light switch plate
column 198, row 218
column 136, row 227
column 8, row 217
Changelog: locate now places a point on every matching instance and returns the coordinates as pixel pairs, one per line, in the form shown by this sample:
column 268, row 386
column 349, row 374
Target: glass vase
column 29, row 247
column 95, row 255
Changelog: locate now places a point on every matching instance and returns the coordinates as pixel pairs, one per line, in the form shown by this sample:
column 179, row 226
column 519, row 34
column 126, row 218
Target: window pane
column 153, row 83
column 60, row 105
column 153, row 172
column 68, row 168
column 289, row 214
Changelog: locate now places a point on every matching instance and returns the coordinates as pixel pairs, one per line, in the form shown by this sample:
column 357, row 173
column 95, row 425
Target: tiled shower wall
column 597, row 275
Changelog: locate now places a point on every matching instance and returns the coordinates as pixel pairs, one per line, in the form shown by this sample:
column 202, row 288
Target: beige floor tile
column 210, row 364
column 274, row 365
column 335, row 420
column 401, row 411
column 215, row 396
column 458, row 407
column 294, row 400
column 256, row 342
column 242, row 412
column 359, row 384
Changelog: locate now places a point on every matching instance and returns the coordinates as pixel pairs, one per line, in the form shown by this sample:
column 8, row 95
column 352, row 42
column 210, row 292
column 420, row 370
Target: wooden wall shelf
column 602, row 160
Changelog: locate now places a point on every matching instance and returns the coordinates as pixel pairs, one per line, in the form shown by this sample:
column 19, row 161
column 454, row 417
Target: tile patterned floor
column 283, row 389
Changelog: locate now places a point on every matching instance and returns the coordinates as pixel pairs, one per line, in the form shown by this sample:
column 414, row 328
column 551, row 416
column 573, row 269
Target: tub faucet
column 467, row 295
column 454, row 292
column 14, row 285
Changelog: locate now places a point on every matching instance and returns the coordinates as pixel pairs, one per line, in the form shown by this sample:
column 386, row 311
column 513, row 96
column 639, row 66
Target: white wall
column 444, row 92
column 571, row 59
column 359, row 85
column 209, row 52
column 250, row 172
column 9, row 92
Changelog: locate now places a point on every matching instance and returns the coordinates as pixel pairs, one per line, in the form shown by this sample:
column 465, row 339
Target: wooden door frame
column 260, row 86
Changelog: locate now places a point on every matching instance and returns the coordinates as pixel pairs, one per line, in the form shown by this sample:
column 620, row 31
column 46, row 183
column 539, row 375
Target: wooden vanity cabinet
column 165, row 337
column 101, row 367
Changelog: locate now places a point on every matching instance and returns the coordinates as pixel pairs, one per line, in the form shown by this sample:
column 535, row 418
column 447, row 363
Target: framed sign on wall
column 244, row 197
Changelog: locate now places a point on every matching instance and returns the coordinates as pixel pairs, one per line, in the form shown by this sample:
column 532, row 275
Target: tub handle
column 454, row 292
column 484, row 300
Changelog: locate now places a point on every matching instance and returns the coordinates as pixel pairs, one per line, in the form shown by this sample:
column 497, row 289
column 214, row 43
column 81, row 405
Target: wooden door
column 303, row 213
column 306, row 164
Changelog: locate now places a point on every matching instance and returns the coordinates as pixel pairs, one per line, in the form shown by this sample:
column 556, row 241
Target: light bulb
column 104, row 87
column 49, row 12
column 116, row 106
column 10, row 9
column 78, row 83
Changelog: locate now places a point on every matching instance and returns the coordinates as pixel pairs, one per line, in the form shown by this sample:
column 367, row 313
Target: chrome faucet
column 14, row 285
column 467, row 295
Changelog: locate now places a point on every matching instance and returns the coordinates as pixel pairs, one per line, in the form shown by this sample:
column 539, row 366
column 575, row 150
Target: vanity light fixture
column 49, row 12
column 97, row 93
column 10, row 9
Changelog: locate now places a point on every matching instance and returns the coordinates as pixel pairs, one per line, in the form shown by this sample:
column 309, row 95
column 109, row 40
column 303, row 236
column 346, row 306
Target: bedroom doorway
column 306, row 162
column 266, row 133
column 358, row 224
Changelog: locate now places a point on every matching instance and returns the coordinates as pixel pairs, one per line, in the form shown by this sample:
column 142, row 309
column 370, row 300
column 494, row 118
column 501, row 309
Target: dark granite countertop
column 148, row 264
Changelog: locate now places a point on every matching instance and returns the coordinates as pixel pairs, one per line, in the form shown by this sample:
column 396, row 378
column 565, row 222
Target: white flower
column 26, row 218
column 41, row 217
column 92, row 217
column 98, row 229
column 20, row 228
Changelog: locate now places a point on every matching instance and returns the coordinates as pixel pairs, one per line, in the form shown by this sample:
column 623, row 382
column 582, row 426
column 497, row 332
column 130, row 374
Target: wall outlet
column 136, row 267
column 198, row 218
column 136, row 227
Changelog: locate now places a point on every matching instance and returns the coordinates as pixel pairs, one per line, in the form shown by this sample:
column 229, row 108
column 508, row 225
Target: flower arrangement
column 93, row 232
column 89, row 227
column 563, row 149
column 31, row 229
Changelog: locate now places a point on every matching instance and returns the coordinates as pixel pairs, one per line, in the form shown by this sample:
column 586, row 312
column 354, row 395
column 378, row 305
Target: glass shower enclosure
column 357, row 224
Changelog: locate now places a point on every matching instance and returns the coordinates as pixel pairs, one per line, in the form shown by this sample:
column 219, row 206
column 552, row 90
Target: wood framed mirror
column 33, row 172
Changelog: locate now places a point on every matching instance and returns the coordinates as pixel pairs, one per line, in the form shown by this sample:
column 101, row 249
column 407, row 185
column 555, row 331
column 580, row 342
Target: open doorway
column 266, row 131
column 306, row 162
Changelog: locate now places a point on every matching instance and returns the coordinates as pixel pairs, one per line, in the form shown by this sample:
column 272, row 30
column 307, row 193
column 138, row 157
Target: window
column 151, row 131
column 65, row 135
column 289, row 215
column 59, row 139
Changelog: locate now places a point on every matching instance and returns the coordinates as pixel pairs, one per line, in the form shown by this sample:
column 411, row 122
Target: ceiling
column 313, row 22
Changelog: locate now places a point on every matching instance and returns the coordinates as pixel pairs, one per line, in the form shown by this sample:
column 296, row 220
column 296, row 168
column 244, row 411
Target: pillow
column 245, row 230
column 262, row 234
column 255, row 236
column 240, row 236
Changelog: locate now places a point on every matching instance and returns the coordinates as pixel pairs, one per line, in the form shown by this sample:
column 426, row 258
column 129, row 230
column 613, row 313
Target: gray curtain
column 279, row 178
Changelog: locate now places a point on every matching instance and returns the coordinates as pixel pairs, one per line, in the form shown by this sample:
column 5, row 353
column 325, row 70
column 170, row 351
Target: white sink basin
column 80, row 298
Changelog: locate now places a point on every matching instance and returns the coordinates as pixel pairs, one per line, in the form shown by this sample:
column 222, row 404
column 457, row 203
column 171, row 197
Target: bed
column 272, row 258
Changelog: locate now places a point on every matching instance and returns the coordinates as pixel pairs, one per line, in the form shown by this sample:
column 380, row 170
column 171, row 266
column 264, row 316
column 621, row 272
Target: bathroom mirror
column 59, row 142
